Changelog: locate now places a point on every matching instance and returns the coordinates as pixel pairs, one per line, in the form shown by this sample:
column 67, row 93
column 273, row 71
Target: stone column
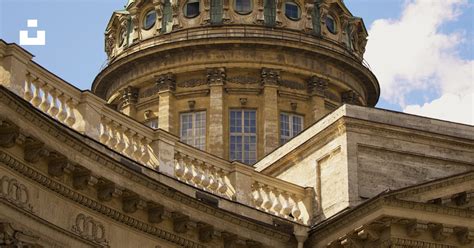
column 317, row 88
column 216, row 81
column 129, row 101
column 166, row 87
column 270, row 79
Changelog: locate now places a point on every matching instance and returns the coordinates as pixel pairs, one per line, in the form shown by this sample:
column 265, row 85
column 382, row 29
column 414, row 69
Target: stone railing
column 90, row 115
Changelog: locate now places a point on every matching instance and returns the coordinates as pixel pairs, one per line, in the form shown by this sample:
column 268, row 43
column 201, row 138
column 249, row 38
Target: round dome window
column 331, row 24
column 292, row 11
column 150, row 19
column 191, row 8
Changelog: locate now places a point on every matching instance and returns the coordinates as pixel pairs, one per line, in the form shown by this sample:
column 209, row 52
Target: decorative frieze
column 90, row 229
column 15, row 192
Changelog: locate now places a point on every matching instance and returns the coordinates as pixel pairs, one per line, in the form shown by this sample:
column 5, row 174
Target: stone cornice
column 132, row 170
column 92, row 204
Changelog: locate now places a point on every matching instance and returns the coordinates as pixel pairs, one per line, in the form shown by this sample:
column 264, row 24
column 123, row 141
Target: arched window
column 292, row 10
column 191, row 8
column 149, row 20
column 269, row 13
column 243, row 6
column 216, row 11
column 331, row 24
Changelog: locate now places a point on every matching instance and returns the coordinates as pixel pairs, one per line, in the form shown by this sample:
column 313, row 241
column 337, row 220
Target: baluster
column 53, row 111
column 113, row 140
column 205, row 180
column 136, row 146
column 104, row 132
column 45, row 104
column 179, row 168
column 28, row 94
column 36, row 95
column 296, row 212
column 214, row 183
column 120, row 137
column 71, row 118
column 62, row 108
column 277, row 206
column 188, row 173
column 128, row 142
column 145, row 152
column 222, row 185
column 267, row 202
column 286, row 210
column 196, row 173
column 257, row 196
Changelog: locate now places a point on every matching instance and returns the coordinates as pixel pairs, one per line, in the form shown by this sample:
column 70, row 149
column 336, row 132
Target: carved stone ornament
column 58, row 165
column 107, row 190
column 317, row 85
column 15, row 192
column 34, row 150
column 182, row 223
column 216, row 76
column 350, row 97
column 90, row 229
column 156, row 213
column 82, row 178
column 10, row 236
column 8, row 134
column 166, row 82
column 206, row 232
column 110, row 44
column 130, row 204
column 129, row 96
column 270, row 76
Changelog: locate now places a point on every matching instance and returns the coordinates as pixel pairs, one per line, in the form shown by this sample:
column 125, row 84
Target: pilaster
column 241, row 178
column 216, row 81
column 270, row 79
column 166, row 87
column 129, row 101
column 317, row 88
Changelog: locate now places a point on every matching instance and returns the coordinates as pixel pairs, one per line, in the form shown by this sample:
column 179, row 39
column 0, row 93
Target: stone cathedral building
column 226, row 123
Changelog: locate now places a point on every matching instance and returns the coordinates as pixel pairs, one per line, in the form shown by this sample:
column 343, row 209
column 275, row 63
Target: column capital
column 270, row 77
column 318, row 86
column 216, row 76
column 350, row 97
column 129, row 96
column 166, row 82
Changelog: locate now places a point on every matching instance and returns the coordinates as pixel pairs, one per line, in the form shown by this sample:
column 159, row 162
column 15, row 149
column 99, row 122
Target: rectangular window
column 193, row 129
column 243, row 135
column 290, row 126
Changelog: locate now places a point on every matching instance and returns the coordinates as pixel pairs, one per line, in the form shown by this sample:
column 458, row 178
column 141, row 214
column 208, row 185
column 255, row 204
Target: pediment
column 455, row 191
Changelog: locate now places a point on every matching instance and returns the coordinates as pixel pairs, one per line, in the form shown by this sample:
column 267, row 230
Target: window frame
column 242, row 134
column 297, row 6
column 243, row 12
column 145, row 19
column 185, row 8
column 336, row 29
column 290, row 126
column 194, row 138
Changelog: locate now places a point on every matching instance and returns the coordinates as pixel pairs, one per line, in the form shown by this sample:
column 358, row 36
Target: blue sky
column 430, row 75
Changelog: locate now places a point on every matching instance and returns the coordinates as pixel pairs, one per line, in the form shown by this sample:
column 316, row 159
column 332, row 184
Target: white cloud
column 411, row 55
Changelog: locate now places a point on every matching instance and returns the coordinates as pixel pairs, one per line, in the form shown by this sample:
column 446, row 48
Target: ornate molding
column 13, row 237
column 318, row 86
column 270, row 77
column 242, row 80
column 195, row 82
column 16, row 193
column 166, row 82
column 292, row 85
column 90, row 229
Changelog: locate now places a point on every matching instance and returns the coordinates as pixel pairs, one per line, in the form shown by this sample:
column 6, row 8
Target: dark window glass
column 191, row 9
column 243, row 6
column 243, row 136
column 269, row 13
column 331, row 24
column 292, row 11
column 150, row 19
column 216, row 11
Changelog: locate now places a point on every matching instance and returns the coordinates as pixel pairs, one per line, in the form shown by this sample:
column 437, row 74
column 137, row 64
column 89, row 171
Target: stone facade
column 84, row 169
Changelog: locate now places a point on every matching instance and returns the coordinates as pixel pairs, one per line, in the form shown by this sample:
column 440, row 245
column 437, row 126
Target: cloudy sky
column 420, row 50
